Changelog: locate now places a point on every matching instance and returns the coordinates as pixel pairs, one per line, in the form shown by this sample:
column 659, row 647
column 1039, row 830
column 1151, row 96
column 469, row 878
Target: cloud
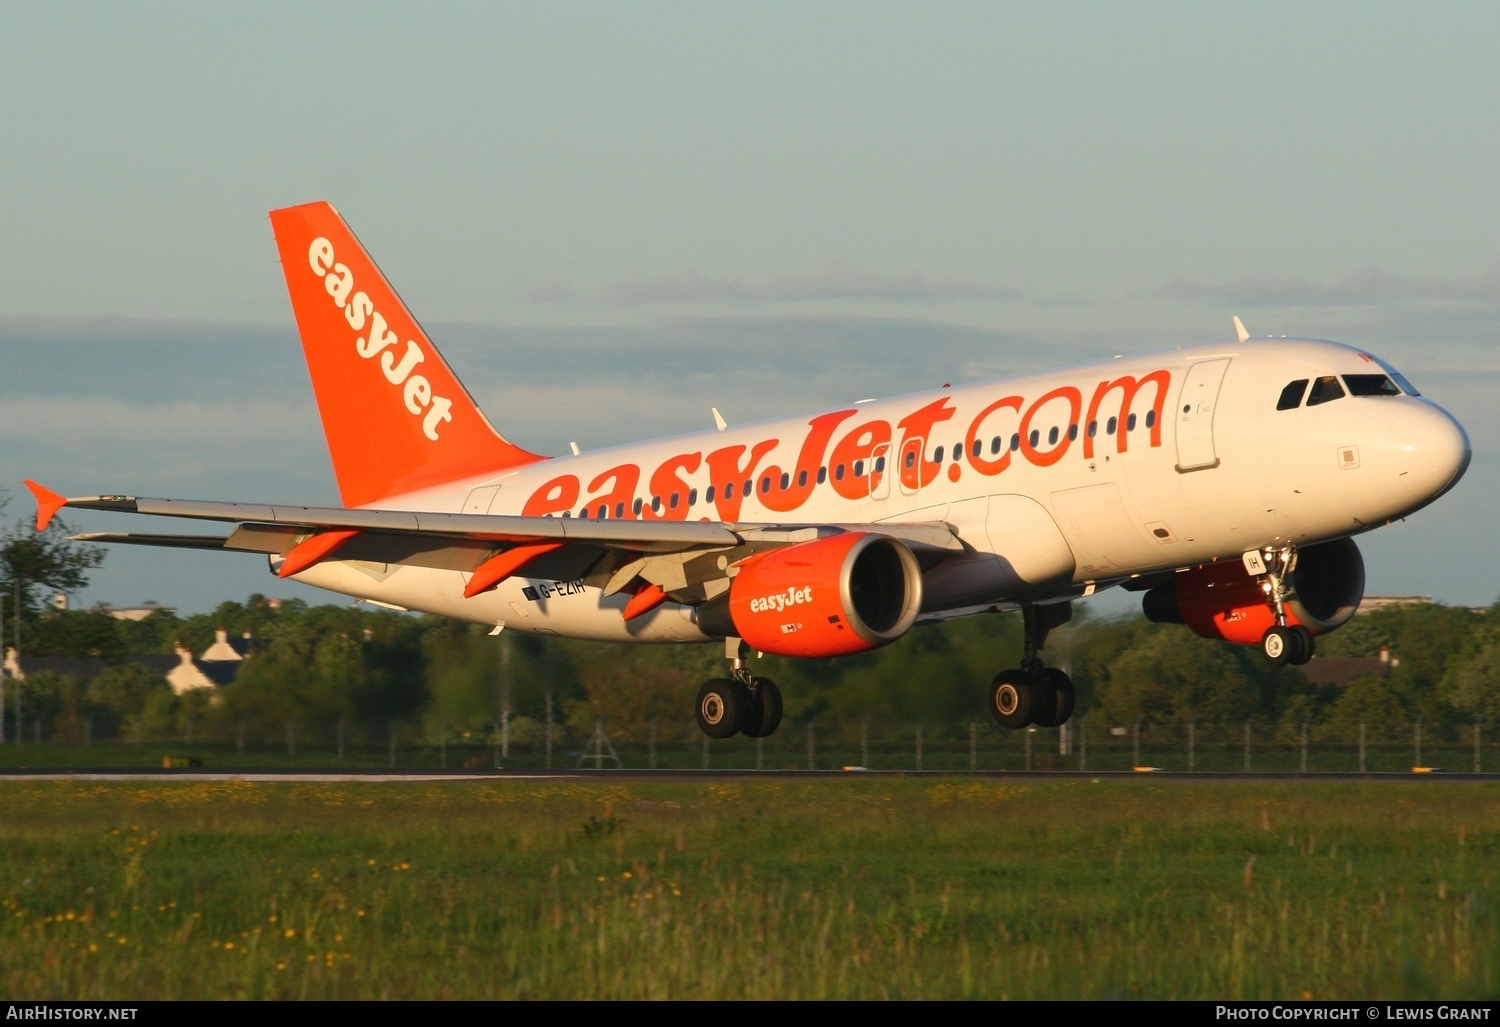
column 1368, row 286
column 834, row 282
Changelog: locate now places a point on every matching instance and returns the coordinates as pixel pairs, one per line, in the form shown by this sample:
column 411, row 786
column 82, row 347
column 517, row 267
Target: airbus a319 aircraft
column 1222, row 481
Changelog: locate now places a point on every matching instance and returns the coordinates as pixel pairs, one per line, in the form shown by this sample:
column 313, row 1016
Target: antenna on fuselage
column 719, row 421
column 1239, row 330
column 574, row 447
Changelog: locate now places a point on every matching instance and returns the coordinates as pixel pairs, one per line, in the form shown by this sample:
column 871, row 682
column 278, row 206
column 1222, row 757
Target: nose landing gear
column 1283, row 643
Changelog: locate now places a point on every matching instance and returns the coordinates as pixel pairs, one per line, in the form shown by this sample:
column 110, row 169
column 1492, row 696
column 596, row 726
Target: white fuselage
column 1063, row 482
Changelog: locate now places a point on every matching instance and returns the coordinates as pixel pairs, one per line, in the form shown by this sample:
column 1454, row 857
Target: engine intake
column 843, row 594
column 1219, row 600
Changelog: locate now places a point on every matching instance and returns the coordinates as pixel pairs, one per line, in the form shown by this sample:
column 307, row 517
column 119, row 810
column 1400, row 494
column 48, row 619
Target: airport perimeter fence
column 1087, row 744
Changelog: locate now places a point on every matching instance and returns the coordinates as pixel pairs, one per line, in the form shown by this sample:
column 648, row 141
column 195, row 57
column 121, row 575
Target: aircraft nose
column 1431, row 451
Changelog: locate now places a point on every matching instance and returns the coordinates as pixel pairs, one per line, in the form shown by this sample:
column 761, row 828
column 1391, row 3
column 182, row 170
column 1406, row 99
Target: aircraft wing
column 681, row 558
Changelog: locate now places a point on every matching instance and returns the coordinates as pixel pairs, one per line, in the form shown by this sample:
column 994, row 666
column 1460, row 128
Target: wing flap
column 169, row 541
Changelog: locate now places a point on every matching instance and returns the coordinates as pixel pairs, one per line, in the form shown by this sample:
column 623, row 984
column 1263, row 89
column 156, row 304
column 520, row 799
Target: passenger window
column 880, row 465
column 1291, row 396
column 937, row 455
column 1325, row 390
column 729, row 490
column 1370, row 385
column 822, row 475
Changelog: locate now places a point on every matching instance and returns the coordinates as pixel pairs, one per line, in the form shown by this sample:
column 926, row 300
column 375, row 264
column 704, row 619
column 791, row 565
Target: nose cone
column 1430, row 451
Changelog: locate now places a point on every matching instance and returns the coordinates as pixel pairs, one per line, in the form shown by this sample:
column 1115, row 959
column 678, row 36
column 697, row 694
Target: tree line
column 317, row 670
column 364, row 672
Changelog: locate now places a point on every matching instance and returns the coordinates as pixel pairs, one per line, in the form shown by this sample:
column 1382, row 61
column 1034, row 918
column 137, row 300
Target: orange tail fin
column 395, row 415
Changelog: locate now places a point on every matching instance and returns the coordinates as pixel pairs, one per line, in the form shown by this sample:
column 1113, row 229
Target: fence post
column 549, row 730
column 1476, row 746
column 1083, row 744
column 1361, row 745
column 810, row 764
column 651, row 744
column 919, row 746
column 864, row 745
column 1418, row 743
column 1136, row 752
column 495, row 746
column 1304, row 745
column 505, row 734
column 1247, row 746
column 1029, row 732
column 973, row 748
column 1192, row 743
column 705, row 752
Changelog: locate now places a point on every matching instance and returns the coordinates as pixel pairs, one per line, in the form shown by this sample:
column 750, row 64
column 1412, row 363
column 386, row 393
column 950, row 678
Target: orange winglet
column 47, row 504
column 501, row 566
column 644, row 601
column 309, row 551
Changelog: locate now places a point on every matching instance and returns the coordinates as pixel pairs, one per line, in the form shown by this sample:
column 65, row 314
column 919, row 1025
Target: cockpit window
column 1291, row 396
column 1370, row 385
column 1406, row 386
column 1325, row 390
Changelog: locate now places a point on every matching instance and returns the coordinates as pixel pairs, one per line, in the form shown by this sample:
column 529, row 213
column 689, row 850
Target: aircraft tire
column 1013, row 700
column 1280, row 645
column 762, row 714
column 719, row 707
column 1305, row 637
column 1059, row 689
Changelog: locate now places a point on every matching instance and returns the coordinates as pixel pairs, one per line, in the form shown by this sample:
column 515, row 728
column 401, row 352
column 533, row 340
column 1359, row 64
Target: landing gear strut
column 740, row 704
column 1283, row 643
column 1034, row 693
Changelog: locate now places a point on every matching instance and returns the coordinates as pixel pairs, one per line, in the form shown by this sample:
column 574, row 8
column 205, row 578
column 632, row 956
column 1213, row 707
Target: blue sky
column 613, row 216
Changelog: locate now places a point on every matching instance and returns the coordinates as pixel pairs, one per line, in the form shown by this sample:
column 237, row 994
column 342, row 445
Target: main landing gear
column 1034, row 693
column 1283, row 643
column 740, row 704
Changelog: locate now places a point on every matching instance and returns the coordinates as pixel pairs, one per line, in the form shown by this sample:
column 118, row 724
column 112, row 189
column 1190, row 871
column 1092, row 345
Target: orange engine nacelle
column 1219, row 600
column 830, row 597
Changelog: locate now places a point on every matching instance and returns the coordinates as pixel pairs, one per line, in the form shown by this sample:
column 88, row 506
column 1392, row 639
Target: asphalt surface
column 314, row 775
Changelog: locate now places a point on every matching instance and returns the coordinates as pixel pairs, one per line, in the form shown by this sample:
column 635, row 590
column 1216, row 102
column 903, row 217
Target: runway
column 310, row 775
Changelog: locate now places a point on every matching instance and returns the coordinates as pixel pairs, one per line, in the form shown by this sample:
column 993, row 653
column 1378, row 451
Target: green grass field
column 846, row 888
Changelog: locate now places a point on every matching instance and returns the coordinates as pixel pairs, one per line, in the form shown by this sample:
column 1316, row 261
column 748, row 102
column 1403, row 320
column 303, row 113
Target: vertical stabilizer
column 395, row 415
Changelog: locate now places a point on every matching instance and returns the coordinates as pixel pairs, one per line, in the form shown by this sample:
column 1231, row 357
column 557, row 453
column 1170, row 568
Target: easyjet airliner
column 1225, row 482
